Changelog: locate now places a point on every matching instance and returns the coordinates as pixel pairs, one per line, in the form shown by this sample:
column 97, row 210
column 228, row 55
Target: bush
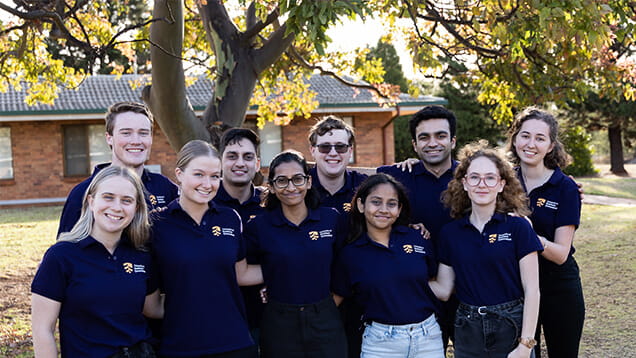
column 577, row 143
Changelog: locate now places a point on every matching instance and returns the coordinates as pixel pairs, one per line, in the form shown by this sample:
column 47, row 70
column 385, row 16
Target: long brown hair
column 512, row 198
column 557, row 157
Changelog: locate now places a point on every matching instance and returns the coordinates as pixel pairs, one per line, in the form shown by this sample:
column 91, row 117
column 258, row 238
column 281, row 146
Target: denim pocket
column 374, row 335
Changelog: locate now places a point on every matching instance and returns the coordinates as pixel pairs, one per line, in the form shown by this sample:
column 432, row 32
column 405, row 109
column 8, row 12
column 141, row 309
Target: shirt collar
column 90, row 241
column 364, row 239
column 223, row 196
column 279, row 219
column 174, row 206
column 145, row 175
column 346, row 187
column 498, row 217
column 420, row 169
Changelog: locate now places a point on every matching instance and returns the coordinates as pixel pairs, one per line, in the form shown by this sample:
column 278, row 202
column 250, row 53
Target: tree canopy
column 516, row 52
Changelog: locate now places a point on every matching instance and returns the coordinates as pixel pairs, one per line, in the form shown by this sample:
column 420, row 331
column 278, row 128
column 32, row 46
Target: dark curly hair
column 512, row 199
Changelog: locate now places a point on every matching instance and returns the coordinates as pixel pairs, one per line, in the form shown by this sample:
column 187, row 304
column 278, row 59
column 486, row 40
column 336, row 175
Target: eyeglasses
column 282, row 182
column 326, row 148
column 490, row 180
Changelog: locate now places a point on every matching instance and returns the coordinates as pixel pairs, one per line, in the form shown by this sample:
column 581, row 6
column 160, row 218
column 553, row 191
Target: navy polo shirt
column 555, row 203
column 246, row 210
column 253, row 304
column 204, row 312
column 296, row 260
column 159, row 192
column 424, row 191
column 390, row 283
column 102, row 295
column 341, row 200
column 486, row 264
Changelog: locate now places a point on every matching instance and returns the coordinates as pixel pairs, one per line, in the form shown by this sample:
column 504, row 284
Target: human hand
column 580, row 186
column 407, row 164
column 520, row 352
column 420, row 227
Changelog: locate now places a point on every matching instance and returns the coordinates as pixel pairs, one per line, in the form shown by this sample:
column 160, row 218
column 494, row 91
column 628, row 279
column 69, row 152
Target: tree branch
column 272, row 49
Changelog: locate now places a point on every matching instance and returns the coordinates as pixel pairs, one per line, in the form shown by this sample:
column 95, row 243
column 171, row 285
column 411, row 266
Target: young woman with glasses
column 294, row 242
column 490, row 257
column 556, row 210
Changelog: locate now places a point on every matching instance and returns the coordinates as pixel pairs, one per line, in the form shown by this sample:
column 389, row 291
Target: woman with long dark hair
column 294, row 241
column 386, row 267
column 556, row 211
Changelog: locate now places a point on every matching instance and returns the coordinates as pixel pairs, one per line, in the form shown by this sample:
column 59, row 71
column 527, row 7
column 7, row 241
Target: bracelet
column 528, row 342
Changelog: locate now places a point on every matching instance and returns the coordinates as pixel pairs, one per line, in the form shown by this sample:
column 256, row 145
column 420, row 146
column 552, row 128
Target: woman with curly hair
column 490, row 256
column 556, row 211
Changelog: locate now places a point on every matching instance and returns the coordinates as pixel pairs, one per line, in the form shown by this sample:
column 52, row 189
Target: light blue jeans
column 421, row 340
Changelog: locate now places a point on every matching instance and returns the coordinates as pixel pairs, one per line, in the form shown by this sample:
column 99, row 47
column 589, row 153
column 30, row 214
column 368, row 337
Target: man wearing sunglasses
column 332, row 141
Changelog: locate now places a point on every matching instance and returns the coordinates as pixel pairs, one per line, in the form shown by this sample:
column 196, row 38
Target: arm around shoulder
column 443, row 285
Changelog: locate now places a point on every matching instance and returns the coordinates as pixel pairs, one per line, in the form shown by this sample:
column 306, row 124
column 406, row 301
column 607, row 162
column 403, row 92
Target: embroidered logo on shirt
column 152, row 199
column 547, row 203
column 409, row 249
column 218, row 231
column 129, row 267
column 346, row 207
column 492, row 238
column 322, row 234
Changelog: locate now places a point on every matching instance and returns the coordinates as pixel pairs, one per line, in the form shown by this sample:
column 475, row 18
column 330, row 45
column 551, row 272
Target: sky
column 353, row 34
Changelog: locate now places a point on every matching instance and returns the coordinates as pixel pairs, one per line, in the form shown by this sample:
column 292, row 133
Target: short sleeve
column 443, row 250
column 242, row 249
column 51, row 278
column 527, row 240
column 251, row 241
column 569, row 212
column 340, row 282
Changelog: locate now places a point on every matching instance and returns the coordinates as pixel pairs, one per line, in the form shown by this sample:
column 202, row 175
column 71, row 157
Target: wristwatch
column 528, row 342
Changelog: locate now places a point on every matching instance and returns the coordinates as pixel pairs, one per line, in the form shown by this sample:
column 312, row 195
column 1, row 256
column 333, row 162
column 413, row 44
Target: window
column 349, row 121
column 271, row 142
column 84, row 147
column 6, row 156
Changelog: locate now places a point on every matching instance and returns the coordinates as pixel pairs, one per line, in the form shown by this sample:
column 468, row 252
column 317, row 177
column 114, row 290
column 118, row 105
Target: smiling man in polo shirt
column 129, row 135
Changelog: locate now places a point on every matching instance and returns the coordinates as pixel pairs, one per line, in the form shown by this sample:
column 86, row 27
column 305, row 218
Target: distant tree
column 393, row 73
column 618, row 117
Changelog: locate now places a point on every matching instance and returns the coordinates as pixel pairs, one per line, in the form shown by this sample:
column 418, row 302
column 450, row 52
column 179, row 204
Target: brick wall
column 39, row 168
column 38, row 164
column 374, row 145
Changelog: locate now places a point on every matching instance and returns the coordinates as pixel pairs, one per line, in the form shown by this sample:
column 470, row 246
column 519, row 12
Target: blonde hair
column 194, row 149
column 137, row 231
column 512, row 198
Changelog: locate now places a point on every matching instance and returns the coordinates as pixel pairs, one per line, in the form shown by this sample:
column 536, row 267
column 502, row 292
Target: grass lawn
column 604, row 246
column 614, row 187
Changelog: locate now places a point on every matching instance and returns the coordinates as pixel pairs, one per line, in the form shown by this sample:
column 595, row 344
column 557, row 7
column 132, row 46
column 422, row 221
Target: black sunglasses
column 326, row 148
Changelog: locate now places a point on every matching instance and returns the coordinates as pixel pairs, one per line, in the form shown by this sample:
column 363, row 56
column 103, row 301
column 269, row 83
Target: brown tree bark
column 617, row 166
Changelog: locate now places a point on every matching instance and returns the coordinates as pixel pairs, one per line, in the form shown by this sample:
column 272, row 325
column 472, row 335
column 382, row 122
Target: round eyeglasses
column 282, row 182
column 490, row 180
column 325, row 148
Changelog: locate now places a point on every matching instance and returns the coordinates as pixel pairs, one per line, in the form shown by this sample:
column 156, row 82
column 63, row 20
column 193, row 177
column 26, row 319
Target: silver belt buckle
column 481, row 310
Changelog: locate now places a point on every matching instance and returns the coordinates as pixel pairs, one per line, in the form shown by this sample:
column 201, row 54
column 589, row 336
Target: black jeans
column 138, row 350
column 562, row 309
column 302, row 331
column 249, row 352
column 488, row 331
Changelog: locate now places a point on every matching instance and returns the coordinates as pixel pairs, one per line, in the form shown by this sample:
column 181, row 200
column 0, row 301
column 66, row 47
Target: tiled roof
column 98, row 92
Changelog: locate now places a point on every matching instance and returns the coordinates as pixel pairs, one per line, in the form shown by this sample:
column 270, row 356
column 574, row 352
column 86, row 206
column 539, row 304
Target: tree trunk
column 167, row 98
column 617, row 166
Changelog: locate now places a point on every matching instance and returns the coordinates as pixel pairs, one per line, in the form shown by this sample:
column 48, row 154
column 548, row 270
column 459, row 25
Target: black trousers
column 302, row 331
column 249, row 352
column 562, row 309
column 446, row 319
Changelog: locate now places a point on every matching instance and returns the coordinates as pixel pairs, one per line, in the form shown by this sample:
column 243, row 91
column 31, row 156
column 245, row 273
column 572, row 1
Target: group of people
column 392, row 264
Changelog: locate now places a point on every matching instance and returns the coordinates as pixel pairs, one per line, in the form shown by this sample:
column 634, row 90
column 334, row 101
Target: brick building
column 45, row 150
